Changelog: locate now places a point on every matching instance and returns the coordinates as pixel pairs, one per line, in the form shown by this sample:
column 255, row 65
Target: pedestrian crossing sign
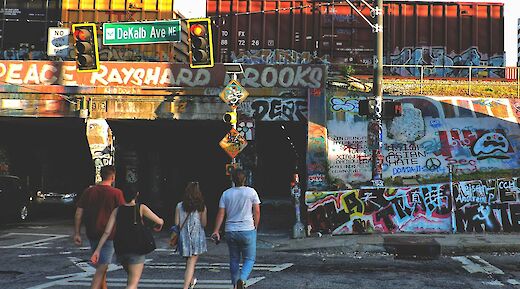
column 233, row 143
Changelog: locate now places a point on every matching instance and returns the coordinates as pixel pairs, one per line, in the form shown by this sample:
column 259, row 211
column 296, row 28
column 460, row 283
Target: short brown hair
column 239, row 177
column 107, row 171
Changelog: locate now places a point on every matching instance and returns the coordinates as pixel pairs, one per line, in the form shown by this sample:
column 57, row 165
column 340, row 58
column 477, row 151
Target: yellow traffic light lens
column 198, row 30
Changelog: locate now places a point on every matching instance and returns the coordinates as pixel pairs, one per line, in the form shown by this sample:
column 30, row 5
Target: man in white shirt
column 241, row 207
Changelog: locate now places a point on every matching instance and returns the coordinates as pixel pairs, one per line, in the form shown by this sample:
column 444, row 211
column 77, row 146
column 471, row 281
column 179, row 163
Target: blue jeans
column 242, row 245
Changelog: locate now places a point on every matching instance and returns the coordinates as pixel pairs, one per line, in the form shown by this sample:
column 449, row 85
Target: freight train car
column 415, row 32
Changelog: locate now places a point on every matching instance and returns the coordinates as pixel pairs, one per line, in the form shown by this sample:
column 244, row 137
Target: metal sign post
column 233, row 94
column 376, row 122
column 298, row 228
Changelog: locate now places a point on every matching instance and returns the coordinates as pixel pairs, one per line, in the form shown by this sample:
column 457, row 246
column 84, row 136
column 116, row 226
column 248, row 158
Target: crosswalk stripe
column 202, row 265
column 161, row 283
column 40, row 244
column 493, row 283
column 481, row 266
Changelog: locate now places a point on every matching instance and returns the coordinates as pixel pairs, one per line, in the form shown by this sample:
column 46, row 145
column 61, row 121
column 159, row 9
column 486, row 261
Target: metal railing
column 469, row 77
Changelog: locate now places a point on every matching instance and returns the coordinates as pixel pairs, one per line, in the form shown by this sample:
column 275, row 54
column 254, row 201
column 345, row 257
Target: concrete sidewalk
column 405, row 244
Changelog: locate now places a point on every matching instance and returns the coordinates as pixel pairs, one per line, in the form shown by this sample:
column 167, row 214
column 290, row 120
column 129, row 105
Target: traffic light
column 367, row 107
column 392, row 109
column 86, row 47
column 230, row 117
column 200, row 43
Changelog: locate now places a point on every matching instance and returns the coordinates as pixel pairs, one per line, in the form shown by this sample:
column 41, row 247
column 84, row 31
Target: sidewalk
column 399, row 244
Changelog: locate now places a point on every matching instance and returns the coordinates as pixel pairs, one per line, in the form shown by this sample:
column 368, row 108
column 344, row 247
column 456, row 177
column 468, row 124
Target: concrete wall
column 467, row 206
column 479, row 137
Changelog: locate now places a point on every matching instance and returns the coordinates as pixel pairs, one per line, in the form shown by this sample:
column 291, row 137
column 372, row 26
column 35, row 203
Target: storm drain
column 409, row 247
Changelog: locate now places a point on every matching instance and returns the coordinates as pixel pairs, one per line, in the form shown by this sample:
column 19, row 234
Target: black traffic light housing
column 367, row 107
column 200, row 43
column 86, row 47
column 230, row 117
column 392, row 109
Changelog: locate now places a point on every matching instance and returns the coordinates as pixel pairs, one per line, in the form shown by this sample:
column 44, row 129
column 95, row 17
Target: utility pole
column 375, row 133
column 375, row 125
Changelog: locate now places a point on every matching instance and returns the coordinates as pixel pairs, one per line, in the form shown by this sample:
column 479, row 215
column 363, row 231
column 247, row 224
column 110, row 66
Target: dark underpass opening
column 162, row 156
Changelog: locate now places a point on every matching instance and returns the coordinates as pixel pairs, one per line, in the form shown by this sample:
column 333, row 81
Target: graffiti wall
column 487, row 206
column 100, row 141
column 438, row 56
column 479, row 206
column 472, row 135
column 316, row 141
column 413, row 209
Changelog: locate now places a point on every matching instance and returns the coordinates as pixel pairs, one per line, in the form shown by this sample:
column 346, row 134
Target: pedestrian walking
column 126, row 219
column 94, row 208
column 240, row 206
column 191, row 217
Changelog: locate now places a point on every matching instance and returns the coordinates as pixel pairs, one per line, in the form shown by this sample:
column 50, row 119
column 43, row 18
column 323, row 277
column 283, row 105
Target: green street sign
column 122, row 33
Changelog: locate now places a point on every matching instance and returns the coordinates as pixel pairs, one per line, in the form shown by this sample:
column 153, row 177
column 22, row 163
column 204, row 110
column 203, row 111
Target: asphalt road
column 41, row 254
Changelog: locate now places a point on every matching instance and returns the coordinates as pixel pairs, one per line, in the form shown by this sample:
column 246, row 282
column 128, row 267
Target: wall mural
column 275, row 109
column 472, row 135
column 413, row 209
column 480, row 206
column 100, row 141
column 438, row 56
column 278, row 56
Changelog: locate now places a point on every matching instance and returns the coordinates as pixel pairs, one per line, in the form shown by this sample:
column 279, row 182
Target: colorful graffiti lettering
column 438, row 57
column 487, row 206
column 424, row 208
column 275, row 109
column 278, row 56
column 478, row 206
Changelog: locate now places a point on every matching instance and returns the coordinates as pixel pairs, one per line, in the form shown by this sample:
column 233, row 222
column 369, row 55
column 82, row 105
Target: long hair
column 193, row 199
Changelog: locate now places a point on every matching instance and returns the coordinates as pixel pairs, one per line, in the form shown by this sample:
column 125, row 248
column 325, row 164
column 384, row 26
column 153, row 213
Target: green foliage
column 346, row 70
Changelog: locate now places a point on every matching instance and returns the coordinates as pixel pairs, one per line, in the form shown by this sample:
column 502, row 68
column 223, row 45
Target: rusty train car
column 415, row 32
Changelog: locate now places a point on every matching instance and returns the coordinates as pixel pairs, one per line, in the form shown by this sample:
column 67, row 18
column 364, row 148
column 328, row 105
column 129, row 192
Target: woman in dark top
column 123, row 218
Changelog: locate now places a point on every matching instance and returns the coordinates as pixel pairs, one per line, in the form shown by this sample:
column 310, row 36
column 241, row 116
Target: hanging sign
column 234, row 93
column 233, row 143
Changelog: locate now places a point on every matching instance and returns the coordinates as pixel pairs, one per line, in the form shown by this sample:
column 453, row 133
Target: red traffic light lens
column 82, row 34
column 198, row 30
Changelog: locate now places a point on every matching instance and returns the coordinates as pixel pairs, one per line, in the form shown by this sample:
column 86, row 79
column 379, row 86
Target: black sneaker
column 241, row 284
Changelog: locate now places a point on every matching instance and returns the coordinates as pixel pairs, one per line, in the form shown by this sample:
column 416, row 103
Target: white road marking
column 513, row 282
column 493, row 283
column 40, row 243
column 213, row 266
column 488, row 267
column 158, row 283
column 482, row 266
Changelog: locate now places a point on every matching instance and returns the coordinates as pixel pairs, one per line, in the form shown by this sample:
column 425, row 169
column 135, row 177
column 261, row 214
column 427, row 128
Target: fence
column 496, row 81
column 469, row 77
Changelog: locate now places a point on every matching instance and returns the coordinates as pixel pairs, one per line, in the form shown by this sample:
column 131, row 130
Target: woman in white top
column 192, row 213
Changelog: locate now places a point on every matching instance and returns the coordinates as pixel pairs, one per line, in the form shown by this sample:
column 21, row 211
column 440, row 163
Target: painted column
column 101, row 144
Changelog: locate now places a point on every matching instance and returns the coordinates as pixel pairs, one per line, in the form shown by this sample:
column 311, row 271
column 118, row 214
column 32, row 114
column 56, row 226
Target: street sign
column 58, row 41
column 233, row 93
column 122, row 33
column 233, row 143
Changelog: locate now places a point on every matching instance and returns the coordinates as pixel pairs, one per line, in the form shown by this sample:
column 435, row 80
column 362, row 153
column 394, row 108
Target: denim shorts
column 107, row 251
column 130, row 259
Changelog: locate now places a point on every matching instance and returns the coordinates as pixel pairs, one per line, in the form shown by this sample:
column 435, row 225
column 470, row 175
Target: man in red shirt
column 94, row 208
